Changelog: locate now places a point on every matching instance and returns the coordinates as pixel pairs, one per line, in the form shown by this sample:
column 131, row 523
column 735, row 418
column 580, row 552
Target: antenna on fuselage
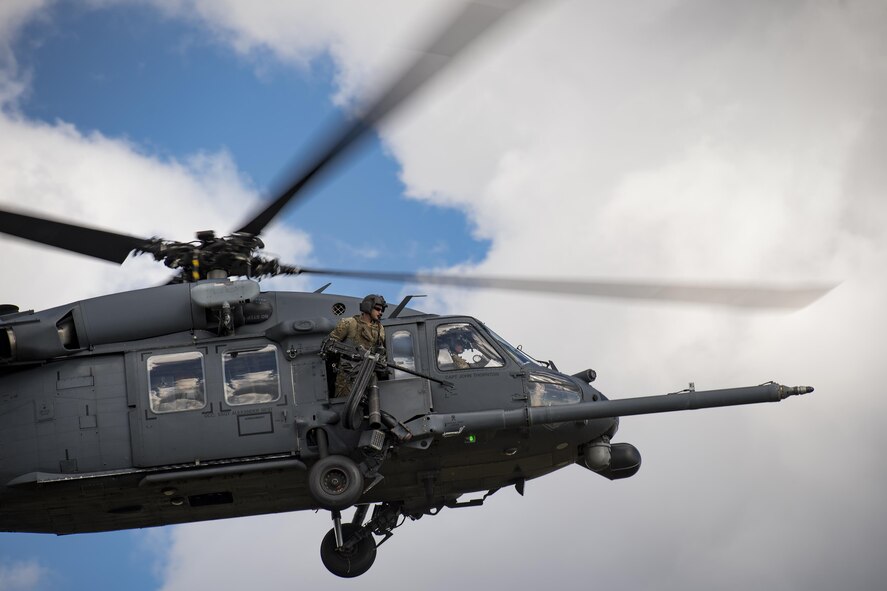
column 403, row 304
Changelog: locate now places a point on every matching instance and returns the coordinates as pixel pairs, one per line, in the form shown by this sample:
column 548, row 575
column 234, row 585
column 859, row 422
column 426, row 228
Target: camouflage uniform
column 458, row 361
column 368, row 335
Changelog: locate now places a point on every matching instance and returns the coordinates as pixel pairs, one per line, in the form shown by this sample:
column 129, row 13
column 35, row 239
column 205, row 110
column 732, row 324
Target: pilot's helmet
column 457, row 337
column 371, row 301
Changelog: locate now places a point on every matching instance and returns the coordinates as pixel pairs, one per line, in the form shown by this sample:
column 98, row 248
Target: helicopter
column 207, row 398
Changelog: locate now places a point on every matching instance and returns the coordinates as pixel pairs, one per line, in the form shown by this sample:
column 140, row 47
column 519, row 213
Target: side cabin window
column 176, row 382
column 460, row 346
column 251, row 376
column 401, row 352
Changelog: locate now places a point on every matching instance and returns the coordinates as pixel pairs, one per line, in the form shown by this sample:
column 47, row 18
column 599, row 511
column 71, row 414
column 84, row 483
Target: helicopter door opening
column 404, row 395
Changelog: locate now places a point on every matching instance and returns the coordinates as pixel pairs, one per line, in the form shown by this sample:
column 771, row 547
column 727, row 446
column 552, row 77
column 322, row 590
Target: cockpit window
column 516, row 353
column 175, row 382
column 551, row 390
column 251, row 376
column 461, row 346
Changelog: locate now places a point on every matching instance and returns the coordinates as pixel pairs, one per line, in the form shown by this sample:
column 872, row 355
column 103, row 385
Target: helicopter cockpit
column 519, row 356
column 460, row 345
column 544, row 387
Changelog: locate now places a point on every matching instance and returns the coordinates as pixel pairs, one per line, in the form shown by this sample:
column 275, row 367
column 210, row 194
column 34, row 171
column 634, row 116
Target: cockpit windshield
column 461, row 346
column 518, row 355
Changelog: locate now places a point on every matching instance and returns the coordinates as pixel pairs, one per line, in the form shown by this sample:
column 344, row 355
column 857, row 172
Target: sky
column 674, row 140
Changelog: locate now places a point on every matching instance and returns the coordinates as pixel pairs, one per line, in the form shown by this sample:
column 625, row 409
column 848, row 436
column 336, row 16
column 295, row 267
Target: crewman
column 364, row 331
column 456, row 351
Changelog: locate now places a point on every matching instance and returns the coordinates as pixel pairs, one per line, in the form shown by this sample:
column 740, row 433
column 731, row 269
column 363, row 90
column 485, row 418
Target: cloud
column 21, row 575
column 13, row 15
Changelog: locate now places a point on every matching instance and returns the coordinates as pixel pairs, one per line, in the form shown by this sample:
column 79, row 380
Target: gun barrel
column 451, row 424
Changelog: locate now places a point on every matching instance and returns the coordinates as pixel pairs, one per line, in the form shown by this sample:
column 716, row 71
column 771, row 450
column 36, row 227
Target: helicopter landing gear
column 349, row 549
column 335, row 482
column 353, row 555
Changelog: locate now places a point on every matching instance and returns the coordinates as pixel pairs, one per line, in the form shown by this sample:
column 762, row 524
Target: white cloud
column 13, row 15
column 21, row 575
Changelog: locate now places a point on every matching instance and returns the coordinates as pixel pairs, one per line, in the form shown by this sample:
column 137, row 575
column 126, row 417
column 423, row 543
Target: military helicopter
column 206, row 398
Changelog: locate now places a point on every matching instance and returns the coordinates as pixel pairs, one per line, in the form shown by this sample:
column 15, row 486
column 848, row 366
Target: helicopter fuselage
column 153, row 407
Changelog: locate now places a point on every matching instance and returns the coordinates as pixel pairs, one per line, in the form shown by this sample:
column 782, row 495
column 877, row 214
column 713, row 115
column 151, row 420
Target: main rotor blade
column 99, row 244
column 730, row 295
column 467, row 25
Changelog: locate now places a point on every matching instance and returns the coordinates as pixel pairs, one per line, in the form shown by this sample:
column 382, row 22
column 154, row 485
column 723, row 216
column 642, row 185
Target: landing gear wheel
column 335, row 482
column 347, row 563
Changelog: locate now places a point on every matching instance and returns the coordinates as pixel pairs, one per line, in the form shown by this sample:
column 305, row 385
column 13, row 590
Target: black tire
column 335, row 482
column 348, row 564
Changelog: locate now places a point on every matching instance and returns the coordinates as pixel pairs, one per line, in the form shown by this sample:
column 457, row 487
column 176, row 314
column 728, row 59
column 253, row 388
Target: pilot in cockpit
column 454, row 352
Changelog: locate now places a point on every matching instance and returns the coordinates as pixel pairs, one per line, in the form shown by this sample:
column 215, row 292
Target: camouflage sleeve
column 458, row 362
column 341, row 331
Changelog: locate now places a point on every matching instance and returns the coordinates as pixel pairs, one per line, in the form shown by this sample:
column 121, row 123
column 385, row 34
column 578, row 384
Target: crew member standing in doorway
column 362, row 330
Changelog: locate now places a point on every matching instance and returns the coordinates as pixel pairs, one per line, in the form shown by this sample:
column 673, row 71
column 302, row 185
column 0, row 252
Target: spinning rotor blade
column 731, row 295
column 469, row 24
column 99, row 244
